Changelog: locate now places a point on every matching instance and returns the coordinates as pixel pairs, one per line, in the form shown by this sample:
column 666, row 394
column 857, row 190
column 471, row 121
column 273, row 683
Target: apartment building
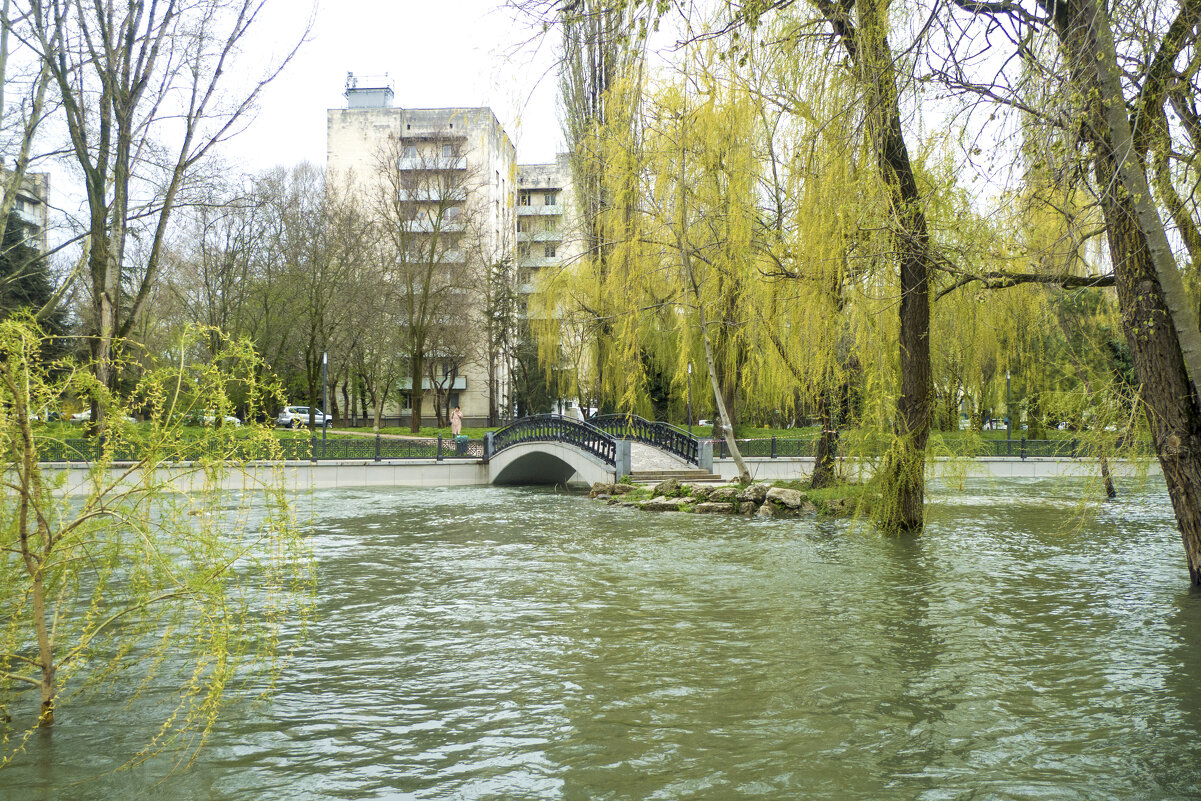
column 454, row 169
column 32, row 208
column 545, row 234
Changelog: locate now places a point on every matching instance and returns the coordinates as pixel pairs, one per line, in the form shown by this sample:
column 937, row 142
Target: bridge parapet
column 663, row 436
column 553, row 428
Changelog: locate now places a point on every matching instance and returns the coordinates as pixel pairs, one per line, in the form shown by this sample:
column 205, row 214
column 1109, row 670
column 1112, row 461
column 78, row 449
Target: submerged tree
column 109, row 572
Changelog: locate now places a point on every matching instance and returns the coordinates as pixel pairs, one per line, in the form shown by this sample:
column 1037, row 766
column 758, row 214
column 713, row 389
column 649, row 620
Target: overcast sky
column 437, row 54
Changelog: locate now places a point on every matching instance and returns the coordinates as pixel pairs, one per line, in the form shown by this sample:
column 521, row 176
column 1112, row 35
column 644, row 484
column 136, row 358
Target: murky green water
column 509, row 644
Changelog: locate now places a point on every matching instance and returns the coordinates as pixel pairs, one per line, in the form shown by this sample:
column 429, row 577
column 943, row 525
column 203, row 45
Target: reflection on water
column 501, row 643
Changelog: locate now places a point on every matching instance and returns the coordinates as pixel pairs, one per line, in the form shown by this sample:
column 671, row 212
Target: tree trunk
column 416, row 392
column 1142, row 264
column 827, row 443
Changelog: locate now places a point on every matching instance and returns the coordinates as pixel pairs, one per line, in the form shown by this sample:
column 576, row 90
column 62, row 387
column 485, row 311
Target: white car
column 86, row 417
column 298, row 417
column 208, row 417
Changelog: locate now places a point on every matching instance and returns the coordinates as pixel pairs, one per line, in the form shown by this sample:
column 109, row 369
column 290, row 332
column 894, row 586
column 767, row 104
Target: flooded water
column 488, row 643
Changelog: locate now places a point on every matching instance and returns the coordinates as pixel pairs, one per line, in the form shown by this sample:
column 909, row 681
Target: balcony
column 431, row 163
column 432, row 195
column 539, row 236
column 460, row 383
column 537, row 262
column 539, row 211
column 432, row 226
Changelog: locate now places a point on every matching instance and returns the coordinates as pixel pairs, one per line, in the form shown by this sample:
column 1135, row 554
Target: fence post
column 439, row 456
column 622, row 459
column 1073, row 447
column 773, row 446
column 1023, row 452
column 487, row 445
column 377, row 446
column 313, row 449
column 704, row 455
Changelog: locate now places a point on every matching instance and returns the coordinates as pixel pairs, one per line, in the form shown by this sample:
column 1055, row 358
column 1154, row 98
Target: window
column 549, row 250
column 550, row 198
column 525, row 198
column 523, row 250
column 410, row 151
column 448, row 151
column 452, row 212
column 521, row 225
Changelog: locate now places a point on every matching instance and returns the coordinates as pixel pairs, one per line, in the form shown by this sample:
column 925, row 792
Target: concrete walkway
column 646, row 459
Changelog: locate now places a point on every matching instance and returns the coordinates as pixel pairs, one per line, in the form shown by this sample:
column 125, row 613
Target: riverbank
column 774, row 499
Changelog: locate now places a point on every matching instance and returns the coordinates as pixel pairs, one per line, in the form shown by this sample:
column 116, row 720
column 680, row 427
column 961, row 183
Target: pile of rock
column 754, row 499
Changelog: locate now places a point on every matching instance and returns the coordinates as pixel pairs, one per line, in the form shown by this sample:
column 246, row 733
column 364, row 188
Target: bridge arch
column 548, row 463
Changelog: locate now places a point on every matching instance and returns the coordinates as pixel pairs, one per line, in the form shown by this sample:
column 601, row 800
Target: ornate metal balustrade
column 664, row 436
column 553, row 428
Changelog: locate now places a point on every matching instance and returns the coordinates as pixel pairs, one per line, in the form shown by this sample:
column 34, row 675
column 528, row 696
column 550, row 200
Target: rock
column 724, row 495
column 837, row 506
column 808, row 508
column 714, row 508
column 661, row 503
column 622, row 489
column 701, row 492
column 747, row 508
column 601, row 488
column 767, row 510
column 789, row 498
column 669, row 488
column 755, row 493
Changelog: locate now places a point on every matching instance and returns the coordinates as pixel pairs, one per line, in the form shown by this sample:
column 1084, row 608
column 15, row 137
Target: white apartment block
column 545, row 234
column 465, row 146
column 32, row 208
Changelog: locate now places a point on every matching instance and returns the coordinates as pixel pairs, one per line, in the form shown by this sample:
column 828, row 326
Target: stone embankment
column 762, row 500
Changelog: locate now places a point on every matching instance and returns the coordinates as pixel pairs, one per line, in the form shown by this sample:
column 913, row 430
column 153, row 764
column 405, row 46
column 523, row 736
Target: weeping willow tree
column 112, row 578
column 600, row 90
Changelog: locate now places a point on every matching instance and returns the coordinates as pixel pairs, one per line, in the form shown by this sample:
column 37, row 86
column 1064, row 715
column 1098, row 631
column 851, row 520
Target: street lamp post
column 690, row 399
column 324, row 399
column 1008, row 415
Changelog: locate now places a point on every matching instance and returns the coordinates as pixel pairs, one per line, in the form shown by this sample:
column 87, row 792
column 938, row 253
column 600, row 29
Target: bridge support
column 623, row 458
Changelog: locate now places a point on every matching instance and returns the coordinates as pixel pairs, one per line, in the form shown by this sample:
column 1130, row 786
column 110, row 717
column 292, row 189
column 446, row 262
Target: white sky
column 449, row 53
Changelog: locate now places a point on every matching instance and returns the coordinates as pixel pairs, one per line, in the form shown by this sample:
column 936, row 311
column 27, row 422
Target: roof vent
column 369, row 91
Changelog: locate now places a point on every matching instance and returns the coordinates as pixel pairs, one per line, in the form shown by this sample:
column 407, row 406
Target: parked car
column 208, row 417
column 86, row 416
column 298, row 417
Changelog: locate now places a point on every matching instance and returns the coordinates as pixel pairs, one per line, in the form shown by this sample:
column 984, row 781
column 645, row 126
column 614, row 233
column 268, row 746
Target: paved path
column 644, row 458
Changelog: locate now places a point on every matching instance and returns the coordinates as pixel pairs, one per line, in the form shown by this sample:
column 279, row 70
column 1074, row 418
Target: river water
column 520, row 644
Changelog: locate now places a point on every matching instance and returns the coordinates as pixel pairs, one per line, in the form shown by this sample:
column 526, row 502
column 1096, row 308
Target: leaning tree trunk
column 1149, row 289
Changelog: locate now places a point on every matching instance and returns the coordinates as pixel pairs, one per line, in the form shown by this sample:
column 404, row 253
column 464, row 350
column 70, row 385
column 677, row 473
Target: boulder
column 838, row 506
column 747, row 508
column 601, row 488
column 788, row 498
column 661, row 503
column 622, row 489
column 755, row 493
column 769, row 510
column 713, row 508
column 669, row 488
column 700, row 491
column 724, row 495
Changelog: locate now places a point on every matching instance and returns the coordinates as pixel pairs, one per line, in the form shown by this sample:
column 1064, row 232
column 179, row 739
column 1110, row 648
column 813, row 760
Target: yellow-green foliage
column 152, row 576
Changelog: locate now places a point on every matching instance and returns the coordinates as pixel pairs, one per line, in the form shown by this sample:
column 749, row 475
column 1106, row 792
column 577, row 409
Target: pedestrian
column 456, row 422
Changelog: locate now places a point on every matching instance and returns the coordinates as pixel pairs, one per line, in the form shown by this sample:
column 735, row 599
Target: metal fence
column 373, row 448
column 792, row 447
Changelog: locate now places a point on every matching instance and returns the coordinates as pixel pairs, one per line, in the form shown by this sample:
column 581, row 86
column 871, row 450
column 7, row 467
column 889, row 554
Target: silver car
column 298, row 417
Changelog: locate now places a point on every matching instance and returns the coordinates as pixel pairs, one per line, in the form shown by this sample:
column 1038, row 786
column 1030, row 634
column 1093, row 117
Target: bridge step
column 689, row 476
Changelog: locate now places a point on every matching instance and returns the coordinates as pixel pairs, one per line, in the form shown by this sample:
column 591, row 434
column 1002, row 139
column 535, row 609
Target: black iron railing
column 553, row 428
column 374, row 448
column 793, row 447
column 661, row 435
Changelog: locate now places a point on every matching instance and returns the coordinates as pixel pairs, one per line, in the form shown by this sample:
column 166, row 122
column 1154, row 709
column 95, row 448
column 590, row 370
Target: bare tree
column 142, row 87
column 423, row 203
